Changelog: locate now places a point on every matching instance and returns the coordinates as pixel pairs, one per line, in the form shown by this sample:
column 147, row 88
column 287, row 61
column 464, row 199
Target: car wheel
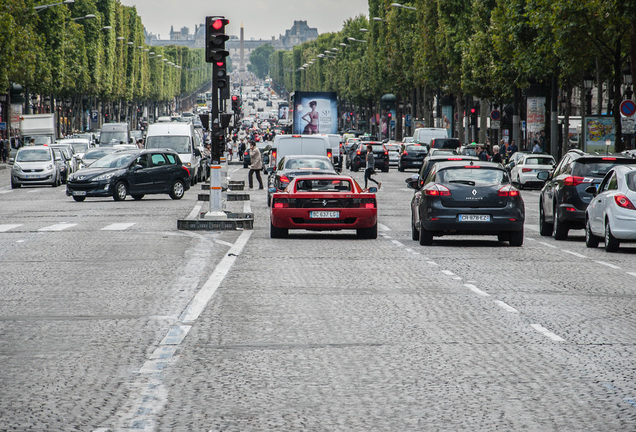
column 502, row 237
column 56, row 181
column 385, row 169
column 137, row 197
column 275, row 232
column 425, row 238
column 559, row 229
column 245, row 165
column 79, row 198
column 368, row 233
column 415, row 234
column 545, row 229
column 611, row 243
column 400, row 169
column 15, row 185
column 121, row 190
column 515, row 238
column 591, row 240
column 177, row 190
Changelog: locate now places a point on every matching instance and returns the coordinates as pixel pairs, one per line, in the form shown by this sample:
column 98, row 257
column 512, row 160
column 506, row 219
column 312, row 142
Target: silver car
column 35, row 165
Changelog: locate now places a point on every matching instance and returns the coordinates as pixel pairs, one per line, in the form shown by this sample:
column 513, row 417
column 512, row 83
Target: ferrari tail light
column 508, row 191
column 367, row 203
column 622, row 201
column 281, row 203
column 526, row 169
column 434, row 189
column 573, row 181
column 405, row 153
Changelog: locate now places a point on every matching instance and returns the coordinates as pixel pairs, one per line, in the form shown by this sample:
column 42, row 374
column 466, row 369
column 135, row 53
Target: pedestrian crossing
column 62, row 226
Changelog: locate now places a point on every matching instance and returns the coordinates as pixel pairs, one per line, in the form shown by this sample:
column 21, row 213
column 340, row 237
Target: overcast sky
column 261, row 19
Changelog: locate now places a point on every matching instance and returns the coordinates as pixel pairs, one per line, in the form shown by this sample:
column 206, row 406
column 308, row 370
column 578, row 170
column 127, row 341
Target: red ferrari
column 324, row 203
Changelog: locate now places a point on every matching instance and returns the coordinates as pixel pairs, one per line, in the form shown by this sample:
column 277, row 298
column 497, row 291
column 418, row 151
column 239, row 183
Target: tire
column 177, row 190
column 275, row 232
column 515, row 238
column 400, row 169
column 611, row 243
column 591, row 240
column 368, row 233
column 79, row 198
column 415, row 234
column 245, row 165
column 120, row 192
column 425, row 238
column 137, row 197
column 385, row 169
column 559, row 229
column 502, row 237
column 56, row 182
column 15, row 185
column 545, row 229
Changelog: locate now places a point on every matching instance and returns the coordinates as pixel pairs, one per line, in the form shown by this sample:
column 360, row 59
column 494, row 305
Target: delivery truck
column 37, row 127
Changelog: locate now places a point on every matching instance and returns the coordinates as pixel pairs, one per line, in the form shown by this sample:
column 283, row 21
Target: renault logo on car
column 474, row 192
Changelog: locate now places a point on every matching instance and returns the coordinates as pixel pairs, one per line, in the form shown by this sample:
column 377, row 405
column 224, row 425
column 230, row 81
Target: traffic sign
column 3, row 125
column 495, row 124
column 628, row 108
column 495, row 115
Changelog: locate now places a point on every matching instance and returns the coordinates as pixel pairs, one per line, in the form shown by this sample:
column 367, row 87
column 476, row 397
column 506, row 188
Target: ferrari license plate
column 324, row 214
column 474, row 218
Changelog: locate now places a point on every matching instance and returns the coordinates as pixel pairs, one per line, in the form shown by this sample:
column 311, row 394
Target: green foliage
column 259, row 61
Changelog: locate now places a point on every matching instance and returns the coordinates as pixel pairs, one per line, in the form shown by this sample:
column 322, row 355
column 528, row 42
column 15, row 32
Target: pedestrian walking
column 241, row 150
column 256, row 165
column 369, row 171
column 3, row 145
column 512, row 149
column 496, row 155
column 537, row 147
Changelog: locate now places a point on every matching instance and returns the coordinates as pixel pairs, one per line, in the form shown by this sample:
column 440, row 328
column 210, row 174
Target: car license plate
column 324, row 214
column 32, row 176
column 418, row 163
column 79, row 193
column 474, row 218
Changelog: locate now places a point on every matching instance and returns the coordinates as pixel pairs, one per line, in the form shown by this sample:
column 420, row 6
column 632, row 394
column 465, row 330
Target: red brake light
column 622, row 201
column 573, row 181
column 435, row 189
column 609, row 158
column 454, row 159
column 508, row 191
column 295, row 136
column 358, row 152
column 405, row 152
column 329, row 154
column 472, row 166
column 284, row 179
column 526, row 169
column 281, row 204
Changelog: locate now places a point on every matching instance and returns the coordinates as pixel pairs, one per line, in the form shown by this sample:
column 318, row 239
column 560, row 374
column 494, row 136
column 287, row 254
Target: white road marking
column 247, row 207
column 548, row 245
column 408, row 250
column 4, row 191
column 476, row 290
column 201, row 299
column 118, row 226
column 448, row 273
column 433, row 263
column 457, row 278
column 58, row 227
column 615, row 267
column 529, row 239
column 382, row 227
column 7, row 227
column 194, row 214
column 631, row 273
column 176, row 335
column 573, row 253
column 397, row 242
column 544, row 331
column 506, row 306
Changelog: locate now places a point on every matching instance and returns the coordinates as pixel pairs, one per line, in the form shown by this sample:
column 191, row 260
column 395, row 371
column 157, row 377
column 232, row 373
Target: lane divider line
column 476, row 290
column 7, row 227
column 573, row 253
column 506, row 306
column 448, row 273
column 544, row 331
column 612, row 266
column 549, row 245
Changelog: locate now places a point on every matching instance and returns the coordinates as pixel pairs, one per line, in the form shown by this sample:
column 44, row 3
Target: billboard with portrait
column 315, row 113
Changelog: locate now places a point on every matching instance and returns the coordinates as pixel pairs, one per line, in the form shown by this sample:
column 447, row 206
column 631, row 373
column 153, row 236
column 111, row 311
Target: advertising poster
column 597, row 131
column 447, row 119
column 283, row 112
column 535, row 122
column 315, row 113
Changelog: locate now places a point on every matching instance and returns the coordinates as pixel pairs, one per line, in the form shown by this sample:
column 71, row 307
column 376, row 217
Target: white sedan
column 611, row 214
column 526, row 170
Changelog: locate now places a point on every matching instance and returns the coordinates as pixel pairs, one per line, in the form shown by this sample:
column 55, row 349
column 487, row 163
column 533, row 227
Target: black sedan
column 412, row 156
column 358, row 157
column 134, row 172
column 291, row 166
column 461, row 197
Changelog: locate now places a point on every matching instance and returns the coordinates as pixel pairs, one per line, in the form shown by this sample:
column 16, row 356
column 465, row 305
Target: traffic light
column 236, row 104
column 16, row 93
column 218, row 143
column 215, row 38
column 474, row 113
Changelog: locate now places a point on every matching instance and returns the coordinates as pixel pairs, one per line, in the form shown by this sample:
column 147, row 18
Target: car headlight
column 17, row 167
column 49, row 167
column 188, row 164
column 104, row 176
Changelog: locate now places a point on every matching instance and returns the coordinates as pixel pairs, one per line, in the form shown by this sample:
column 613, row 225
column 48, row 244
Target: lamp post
column 588, row 83
column 89, row 16
column 398, row 5
column 42, row 7
column 627, row 79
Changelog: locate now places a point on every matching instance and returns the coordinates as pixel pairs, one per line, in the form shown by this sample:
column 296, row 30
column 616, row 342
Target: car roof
column 484, row 164
column 306, row 157
column 446, row 157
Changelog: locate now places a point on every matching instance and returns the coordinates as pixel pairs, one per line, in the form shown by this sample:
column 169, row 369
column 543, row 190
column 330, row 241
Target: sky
column 261, row 19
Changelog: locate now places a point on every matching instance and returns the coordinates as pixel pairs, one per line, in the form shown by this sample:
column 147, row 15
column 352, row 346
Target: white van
column 423, row 136
column 181, row 138
column 318, row 144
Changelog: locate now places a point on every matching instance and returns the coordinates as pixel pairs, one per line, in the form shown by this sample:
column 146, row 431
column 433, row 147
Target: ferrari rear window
column 472, row 176
column 326, row 185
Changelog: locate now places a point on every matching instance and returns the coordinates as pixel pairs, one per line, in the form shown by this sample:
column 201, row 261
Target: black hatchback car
column 564, row 198
column 131, row 172
column 380, row 155
column 467, row 197
column 412, row 156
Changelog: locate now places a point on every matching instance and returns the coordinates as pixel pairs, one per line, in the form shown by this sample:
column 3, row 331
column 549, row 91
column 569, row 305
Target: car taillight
column 434, row 189
column 609, row 158
column 284, row 179
column 329, row 154
column 622, row 201
column 508, row 191
column 386, row 153
column 472, row 166
column 454, row 159
column 573, row 181
column 358, row 152
column 405, row 153
column 281, row 203
column 369, row 205
column 247, row 153
column 526, row 169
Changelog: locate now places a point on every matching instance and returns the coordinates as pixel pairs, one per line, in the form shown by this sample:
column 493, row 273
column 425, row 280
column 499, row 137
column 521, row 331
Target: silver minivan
column 34, row 165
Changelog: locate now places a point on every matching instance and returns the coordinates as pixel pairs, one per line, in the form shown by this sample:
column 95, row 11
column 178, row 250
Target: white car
column 611, row 215
column 394, row 153
column 525, row 172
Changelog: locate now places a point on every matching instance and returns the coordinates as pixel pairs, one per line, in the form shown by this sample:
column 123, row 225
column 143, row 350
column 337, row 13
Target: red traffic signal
column 234, row 98
column 389, row 115
column 218, row 23
column 473, row 110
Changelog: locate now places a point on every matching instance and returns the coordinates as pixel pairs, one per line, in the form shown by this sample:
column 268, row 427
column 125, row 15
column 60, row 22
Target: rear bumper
column 622, row 224
column 574, row 219
column 442, row 220
column 299, row 218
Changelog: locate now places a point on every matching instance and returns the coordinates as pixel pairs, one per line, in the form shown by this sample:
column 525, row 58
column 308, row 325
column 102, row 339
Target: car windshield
column 97, row 153
column 308, row 164
column 539, row 161
column 326, row 185
column 393, row 147
column 39, row 139
column 110, row 138
column 33, row 155
column 631, row 180
column 598, row 168
column 414, row 147
column 471, row 176
column 114, row 160
column 180, row 144
column 79, row 147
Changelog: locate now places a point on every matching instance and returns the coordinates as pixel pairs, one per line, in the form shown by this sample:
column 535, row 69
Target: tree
column 259, row 61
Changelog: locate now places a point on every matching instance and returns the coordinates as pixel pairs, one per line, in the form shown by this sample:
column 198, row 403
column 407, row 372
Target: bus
column 201, row 101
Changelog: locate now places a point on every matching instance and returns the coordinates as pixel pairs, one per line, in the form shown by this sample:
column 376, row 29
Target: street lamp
column 356, row 40
column 42, row 7
column 120, row 38
column 398, row 5
column 588, row 83
column 378, row 19
column 627, row 78
column 89, row 16
column 107, row 27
